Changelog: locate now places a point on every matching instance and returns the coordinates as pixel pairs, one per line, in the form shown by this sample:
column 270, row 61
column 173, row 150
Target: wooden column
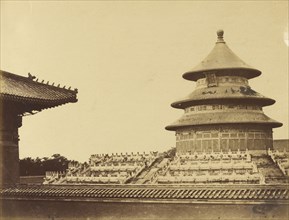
column 9, row 149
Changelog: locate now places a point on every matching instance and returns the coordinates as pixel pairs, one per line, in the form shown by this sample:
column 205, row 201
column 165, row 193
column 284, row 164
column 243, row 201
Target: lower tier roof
column 225, row 117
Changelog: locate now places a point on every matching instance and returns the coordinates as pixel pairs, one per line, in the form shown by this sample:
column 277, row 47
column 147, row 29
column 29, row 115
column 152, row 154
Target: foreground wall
column 20, row 209
column 227, row 201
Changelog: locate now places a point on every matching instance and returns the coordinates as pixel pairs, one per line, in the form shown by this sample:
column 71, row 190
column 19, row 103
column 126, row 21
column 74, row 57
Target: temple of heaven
column 225, row 164
column 223, row 113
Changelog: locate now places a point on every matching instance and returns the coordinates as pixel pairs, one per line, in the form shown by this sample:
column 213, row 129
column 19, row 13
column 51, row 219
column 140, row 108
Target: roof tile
column 231, row 193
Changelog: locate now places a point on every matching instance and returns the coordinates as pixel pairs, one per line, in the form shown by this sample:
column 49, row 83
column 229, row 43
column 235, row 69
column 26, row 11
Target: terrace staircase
column 147, row 172
column 269, row 169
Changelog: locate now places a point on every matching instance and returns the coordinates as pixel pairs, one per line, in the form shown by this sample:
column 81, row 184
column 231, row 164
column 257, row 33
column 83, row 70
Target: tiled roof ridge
column 33, row 79
column 247, row 193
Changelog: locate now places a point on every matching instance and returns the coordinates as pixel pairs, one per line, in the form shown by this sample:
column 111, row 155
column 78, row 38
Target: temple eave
column 175, row 127
column 26, row 104
column 198, row 73
column 182, row 104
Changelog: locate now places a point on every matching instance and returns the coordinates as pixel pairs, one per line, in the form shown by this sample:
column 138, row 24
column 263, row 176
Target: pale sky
column 127, row 61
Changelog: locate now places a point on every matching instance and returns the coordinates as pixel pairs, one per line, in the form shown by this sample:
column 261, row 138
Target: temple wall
column 222, row 108
column 221, row 81
column 224, row 138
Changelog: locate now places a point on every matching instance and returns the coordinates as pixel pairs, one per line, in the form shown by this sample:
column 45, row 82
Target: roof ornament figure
column 30, row 76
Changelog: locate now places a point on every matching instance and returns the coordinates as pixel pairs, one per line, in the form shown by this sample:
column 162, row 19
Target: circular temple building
column 223, row 113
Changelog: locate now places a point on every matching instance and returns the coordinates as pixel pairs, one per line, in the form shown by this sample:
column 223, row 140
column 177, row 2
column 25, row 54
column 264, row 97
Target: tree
column 38, row 166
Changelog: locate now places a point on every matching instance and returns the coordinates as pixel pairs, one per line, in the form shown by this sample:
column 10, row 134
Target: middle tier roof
column 223, row 94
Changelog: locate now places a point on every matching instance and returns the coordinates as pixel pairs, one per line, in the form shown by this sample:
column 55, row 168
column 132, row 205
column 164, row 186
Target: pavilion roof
column 221, row 59
column 31, row 94
column 224, row 117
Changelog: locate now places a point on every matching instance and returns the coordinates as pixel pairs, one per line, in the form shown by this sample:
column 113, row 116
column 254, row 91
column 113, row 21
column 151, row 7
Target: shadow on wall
column 139, row 210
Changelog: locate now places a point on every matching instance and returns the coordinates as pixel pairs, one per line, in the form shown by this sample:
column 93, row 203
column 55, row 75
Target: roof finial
column 220, row 34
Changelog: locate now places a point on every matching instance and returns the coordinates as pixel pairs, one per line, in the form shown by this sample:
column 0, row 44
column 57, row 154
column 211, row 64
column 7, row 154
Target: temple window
column 233, row 135
column 215, row 135
column 251, row 135
column 206, row 135
column 211, row 79
column 242, row 135
column 225, row 135
column 255, row 108
column 219, row 107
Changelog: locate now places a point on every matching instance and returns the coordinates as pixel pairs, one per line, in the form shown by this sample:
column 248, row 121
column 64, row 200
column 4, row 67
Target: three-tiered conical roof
column 222, row 63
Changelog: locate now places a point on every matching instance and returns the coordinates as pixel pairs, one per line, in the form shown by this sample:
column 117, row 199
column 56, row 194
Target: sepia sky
column 127, row 59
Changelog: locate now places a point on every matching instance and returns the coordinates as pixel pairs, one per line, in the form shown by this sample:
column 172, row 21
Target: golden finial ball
column 220, row 33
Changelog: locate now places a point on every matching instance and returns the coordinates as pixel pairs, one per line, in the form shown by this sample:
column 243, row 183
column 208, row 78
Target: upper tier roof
column 32, row 95
column 221, row 59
